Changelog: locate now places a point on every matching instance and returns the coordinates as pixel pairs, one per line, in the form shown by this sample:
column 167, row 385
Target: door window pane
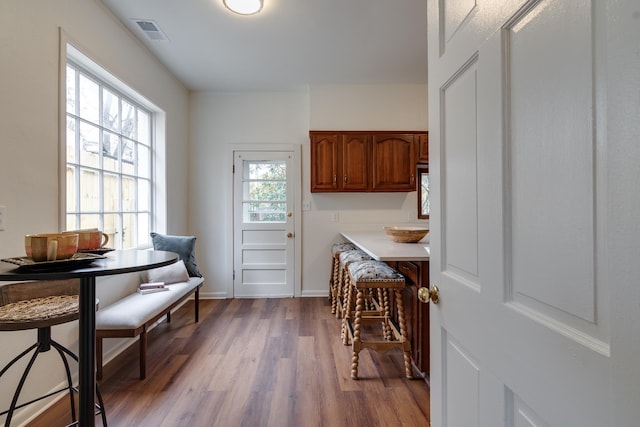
column 264, row 191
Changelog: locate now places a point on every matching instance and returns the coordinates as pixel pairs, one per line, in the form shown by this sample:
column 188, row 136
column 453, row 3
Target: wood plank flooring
column 255, row 362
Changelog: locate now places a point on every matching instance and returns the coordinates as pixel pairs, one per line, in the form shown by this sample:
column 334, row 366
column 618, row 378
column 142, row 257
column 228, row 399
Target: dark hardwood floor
column 255, row 362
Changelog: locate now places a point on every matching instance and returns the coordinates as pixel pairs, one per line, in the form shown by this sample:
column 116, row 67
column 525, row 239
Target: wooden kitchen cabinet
column 416, row 313
column 356, row 160
column 363, row 161
column 324, row 162
column 394, row 162
column 423, row 148
column 340, row 162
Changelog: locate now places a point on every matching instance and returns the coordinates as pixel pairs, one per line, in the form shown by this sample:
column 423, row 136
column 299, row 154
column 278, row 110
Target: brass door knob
column 426, row 294
column 289, row 235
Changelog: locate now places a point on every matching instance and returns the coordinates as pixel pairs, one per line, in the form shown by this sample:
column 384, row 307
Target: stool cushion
column 337, row 248
column 374, row 271
column 348, row 257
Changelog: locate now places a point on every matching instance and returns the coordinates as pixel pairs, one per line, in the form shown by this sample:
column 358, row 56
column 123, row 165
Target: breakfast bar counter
column 380, row 247
column 412, row 261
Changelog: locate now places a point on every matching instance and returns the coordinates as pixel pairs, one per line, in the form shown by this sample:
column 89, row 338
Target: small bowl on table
column 406, row 234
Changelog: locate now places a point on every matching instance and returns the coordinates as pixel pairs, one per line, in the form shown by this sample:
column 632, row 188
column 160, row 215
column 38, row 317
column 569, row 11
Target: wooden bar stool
column 377, row 275
column 336, row 250
column 344, row 260
column 41, row 305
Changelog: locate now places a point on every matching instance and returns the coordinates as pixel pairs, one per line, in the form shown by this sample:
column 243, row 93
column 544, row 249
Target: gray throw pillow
column 184, row 246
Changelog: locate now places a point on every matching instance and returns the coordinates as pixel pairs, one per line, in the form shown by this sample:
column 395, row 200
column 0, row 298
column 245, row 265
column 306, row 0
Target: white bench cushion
column 137, row 309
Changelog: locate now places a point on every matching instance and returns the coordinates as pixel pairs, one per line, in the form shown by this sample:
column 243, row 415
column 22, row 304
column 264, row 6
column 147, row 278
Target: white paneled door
column 264, row 224
column 531, row 170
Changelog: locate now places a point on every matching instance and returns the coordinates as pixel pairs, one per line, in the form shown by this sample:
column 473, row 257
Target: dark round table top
column 115, row 262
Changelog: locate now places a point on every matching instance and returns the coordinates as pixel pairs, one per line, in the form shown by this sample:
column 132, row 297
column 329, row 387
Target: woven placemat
column 39, row 308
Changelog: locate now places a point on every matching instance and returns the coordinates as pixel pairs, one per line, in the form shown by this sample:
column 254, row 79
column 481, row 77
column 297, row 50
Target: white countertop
column 382, row 248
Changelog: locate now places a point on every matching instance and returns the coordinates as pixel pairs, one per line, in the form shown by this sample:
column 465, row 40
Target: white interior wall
column 219, row 120
column 29, row 163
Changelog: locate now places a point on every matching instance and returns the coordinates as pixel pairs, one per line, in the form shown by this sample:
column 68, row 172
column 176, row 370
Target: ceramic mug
column 90, row 238
column 51, row 247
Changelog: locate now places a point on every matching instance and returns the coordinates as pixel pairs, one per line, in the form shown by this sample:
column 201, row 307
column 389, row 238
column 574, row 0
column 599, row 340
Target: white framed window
column 109, row 158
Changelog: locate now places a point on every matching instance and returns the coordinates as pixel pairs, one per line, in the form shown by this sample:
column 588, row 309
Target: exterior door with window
column 534, row 169
column 264, row 224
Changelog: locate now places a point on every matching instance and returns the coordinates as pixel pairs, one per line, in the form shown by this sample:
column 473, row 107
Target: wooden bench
column 134, row 314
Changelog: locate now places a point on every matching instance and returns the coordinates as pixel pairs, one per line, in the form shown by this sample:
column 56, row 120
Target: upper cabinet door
column 356, row 160
column 394, row 162
column 326, row 174
column 423, row 148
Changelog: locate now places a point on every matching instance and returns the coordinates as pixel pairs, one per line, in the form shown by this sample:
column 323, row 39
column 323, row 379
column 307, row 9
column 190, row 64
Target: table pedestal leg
column 86, row 350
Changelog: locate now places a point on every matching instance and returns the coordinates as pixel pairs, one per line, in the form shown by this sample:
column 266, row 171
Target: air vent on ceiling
column 151, row 30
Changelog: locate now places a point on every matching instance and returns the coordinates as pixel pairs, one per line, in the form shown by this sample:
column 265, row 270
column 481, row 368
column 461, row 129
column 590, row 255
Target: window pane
column 71, row 140
column 144, row 127
column 264, row 212
column 110, row 117
column 128, row 231
column 72, row 200
column 128, row 194
column 110, row 144
column 89, row 221
column 71, row 222
column 89, row 190
column 110, row 227
column 144, row 221
column 71, row 90
column 267, row 190
column 128, row 120
column 266, row 170
column 89, row 100
column 111, row 187
column 144, row 161
column 89, row 145
column 144, row 195
column 128, row 157
column 425, row 206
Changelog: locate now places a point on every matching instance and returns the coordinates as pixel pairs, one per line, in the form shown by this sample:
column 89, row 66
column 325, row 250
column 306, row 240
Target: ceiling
column 289, row 45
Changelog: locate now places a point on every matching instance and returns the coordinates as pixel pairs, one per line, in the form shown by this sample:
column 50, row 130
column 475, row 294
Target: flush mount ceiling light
column 244, row 7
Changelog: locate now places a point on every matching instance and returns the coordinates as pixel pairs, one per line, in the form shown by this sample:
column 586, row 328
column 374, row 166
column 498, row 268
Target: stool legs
column 333, row 284
column 403, row 332
column 355, row 357
column 346, row 312
column 44, row 344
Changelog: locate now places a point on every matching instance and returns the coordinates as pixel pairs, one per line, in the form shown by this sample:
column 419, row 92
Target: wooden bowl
column 406, row 234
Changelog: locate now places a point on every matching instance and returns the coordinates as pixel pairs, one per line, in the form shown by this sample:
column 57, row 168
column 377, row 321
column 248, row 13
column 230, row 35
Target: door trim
column 297, row 210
